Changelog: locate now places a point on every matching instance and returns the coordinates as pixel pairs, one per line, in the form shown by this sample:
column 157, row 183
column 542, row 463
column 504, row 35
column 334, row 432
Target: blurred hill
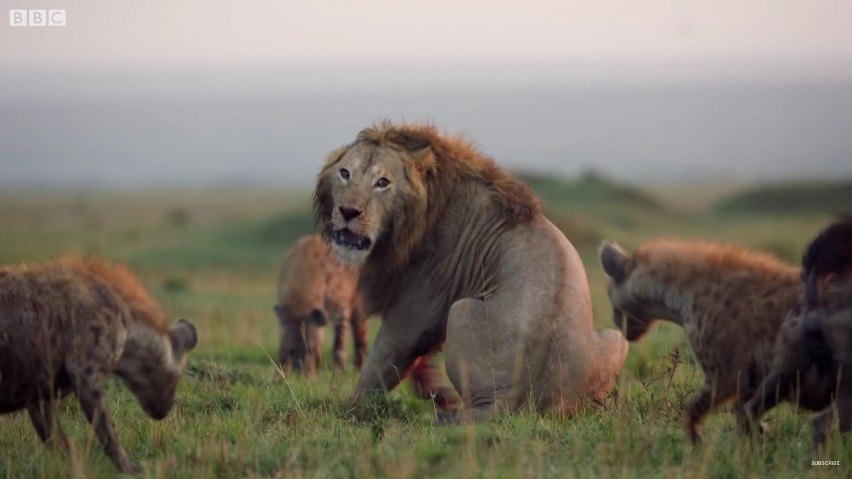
column 799, row 197
column 590, row 188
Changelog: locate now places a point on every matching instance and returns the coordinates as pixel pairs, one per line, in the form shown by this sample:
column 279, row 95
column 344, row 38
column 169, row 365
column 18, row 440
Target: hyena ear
column 318, row 318
column 614, row 260
column 183, row 336
column 280, row 313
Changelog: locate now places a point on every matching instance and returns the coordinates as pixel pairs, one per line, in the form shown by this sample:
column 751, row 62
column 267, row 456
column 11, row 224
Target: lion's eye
column 344, row 173
column 382, row 183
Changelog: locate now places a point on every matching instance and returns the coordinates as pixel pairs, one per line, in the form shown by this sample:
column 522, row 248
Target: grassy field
column 212, row 257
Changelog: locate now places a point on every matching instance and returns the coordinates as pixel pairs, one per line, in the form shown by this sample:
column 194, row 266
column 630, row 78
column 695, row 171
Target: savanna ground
column 212, row 257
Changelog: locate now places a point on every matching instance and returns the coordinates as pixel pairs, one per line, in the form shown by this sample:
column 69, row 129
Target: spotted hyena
column 67, row 325
column 731, row 302
column 814, row 348
column 314, row 289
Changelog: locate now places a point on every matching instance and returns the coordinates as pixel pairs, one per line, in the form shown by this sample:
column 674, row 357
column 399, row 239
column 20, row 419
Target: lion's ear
column 424, row 160
column 412, row 141
column 422, row 154
column 418, row 146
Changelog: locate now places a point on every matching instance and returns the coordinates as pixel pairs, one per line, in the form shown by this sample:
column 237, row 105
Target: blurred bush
column 178, row 217
column 174, row 285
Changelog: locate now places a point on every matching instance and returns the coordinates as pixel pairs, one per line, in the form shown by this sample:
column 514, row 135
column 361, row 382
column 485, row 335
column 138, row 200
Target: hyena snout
column 301, row 342
column 632, row 327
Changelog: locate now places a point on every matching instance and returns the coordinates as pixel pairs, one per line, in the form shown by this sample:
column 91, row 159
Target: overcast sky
column 201, row 32
column 135, row 91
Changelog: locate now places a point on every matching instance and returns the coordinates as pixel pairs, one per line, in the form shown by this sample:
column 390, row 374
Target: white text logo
column 36, row 18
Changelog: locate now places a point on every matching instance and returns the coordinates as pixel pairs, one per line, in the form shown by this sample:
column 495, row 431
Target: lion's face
column 361, row 197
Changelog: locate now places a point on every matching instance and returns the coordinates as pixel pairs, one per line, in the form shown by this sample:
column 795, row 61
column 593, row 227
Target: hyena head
column 828, row 259
column 635, row 295
column 301, row 339
column 153, row 362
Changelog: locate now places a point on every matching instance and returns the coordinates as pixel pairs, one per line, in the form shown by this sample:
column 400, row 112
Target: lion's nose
column 349, row 213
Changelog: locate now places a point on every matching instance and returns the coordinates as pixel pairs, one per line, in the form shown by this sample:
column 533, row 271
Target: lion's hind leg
column 482, row 360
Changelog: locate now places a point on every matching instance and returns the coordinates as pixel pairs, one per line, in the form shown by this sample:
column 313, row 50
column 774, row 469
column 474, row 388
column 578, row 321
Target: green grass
column 213, row 257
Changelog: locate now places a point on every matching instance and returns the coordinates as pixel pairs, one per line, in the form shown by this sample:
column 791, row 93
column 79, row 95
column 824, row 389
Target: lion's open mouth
column 346, row 238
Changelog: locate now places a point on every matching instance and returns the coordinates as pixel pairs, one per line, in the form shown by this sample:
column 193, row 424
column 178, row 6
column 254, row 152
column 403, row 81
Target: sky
column 140, row 92
column 122, row 33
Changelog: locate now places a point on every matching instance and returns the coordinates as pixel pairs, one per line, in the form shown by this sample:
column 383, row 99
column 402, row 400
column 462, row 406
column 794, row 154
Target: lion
column 67, row 325
column 456, row 253
column 313, row 289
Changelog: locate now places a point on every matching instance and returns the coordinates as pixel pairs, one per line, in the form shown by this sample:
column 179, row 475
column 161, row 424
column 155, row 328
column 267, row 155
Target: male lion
column 455, row 251
column 313, row 288
column 65, row 326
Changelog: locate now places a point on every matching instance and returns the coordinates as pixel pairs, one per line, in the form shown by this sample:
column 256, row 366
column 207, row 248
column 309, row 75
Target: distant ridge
column 795, row 197
column 590, row 186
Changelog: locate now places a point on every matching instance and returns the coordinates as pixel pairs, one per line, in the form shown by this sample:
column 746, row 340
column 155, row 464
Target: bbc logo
column 36, row 18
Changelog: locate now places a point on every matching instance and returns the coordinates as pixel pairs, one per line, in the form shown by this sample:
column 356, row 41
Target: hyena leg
column 698, row 407
column 359, row 338
column 340, row 344
column 844, row 409
column 283, row 352
column 314, row 338
column 820, row 424
column 89, row 391
column 772, row 390
column 745, row 422
column 47, row 425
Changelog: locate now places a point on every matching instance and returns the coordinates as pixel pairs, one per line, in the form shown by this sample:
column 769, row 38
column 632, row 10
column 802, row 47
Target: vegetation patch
column 589, row 188
column 791, row 198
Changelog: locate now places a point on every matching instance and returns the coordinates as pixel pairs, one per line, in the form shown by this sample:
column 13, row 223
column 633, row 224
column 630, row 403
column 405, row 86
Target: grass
column 213, row 257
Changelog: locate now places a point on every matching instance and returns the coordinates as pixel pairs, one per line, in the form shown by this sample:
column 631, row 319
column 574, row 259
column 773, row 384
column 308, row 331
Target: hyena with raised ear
column 314, row 289
column 67, row 325
column 731, row 303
